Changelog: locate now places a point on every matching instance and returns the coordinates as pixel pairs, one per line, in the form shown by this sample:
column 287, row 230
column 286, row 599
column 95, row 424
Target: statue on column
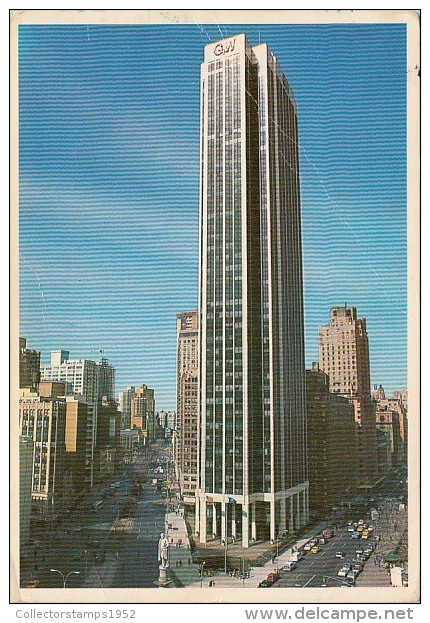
column 163, row 551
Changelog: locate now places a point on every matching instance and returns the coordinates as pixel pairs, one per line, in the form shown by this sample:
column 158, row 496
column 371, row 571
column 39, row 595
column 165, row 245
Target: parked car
column 265, row 584
column 343, row 572
column 289, row 566
column 340, row 555
column 296, row 556
column 273, row 577
column 315, row 549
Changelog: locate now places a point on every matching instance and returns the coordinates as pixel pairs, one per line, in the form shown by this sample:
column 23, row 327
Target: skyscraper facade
column 252, row 462
column 187, row 332
column 143, row 412
column 43, row 420
column 124, row 399
column 344, row 357
column 331, row 443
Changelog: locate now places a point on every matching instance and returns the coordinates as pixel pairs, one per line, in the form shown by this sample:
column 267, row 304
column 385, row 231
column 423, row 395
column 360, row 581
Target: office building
column 131, row 440
column 388, row 421
column 143, row 412
column 107, row 454
column 394, row 410
column 331, row 444
column 81, row 376
column 124, row 400
column 344, row 357
column 106, row 379
column 79, row 449
column 43, row 419
column 88, row 379
column 253, row 481
column 29, row 365
column 186, row 449
column 26, row 447
column 402, row 396
column 167, row 419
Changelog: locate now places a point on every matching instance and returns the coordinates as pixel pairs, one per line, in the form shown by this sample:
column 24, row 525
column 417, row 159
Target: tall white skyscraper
column 252, row 460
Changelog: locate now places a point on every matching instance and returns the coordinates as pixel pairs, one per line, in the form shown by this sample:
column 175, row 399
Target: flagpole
column 226, row 538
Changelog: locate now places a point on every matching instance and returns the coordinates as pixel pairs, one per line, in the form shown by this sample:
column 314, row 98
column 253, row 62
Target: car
column 343, row 572
column 351, row 575
column 289, row 566
column 315, row 549
column 340, row 555
column 273, row 577
column 265, row 584
column 351, row 528
column 77, row 528
column 358, row 567
column 359, row 551
column 355, row 535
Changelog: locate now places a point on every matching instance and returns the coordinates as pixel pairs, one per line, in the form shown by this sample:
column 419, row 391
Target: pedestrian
column 189, row 561
column 180, row 563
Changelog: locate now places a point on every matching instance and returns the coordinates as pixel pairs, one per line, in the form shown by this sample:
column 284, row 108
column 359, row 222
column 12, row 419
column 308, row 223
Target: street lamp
column 280, row 534
column 64, row 578
column 225, row 543
column 201, row 574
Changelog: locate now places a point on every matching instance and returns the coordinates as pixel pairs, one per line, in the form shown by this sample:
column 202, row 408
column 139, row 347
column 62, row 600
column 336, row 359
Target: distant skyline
column 109, row 187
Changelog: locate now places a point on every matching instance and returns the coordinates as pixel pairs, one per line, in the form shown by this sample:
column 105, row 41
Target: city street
column 85, row 546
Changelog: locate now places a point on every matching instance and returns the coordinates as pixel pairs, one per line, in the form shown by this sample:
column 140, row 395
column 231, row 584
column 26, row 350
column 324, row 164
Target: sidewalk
column 188, row 573
column 391, row 525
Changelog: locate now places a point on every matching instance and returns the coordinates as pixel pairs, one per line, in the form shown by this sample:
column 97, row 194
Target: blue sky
column 109, row 180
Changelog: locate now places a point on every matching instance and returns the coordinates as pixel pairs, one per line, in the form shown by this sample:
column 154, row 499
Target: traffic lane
column 311, row 569
column 138, row 566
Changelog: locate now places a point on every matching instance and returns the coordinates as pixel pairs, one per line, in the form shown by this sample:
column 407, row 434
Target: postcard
column 215, row 285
